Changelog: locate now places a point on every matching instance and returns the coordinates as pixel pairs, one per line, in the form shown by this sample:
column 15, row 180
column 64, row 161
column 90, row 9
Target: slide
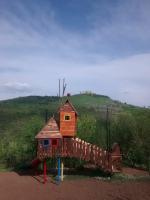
column 35, row 163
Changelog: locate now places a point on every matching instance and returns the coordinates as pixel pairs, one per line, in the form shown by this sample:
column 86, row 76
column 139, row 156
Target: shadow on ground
column 84, row 172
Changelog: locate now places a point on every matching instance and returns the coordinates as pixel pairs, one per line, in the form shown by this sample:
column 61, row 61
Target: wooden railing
column 77, row 148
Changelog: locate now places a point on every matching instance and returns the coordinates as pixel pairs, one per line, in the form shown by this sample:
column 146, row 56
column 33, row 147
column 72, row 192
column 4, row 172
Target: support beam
column 59, row 170
column 44, row 170
column 62, row 171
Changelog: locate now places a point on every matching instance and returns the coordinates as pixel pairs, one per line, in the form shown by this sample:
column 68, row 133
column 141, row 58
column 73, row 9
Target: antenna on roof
column 64, row 87
column 59, row 88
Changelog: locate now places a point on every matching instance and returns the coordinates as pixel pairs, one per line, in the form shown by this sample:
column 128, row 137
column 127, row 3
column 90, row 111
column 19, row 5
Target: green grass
column 90, row 101
column 75, row 177
column 124, row 177
column 3, row 168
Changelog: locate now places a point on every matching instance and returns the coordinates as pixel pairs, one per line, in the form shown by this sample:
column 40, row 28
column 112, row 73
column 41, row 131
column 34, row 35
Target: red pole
column 44, row 169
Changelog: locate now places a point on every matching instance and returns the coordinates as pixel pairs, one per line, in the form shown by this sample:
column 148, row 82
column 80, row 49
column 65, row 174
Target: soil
column 134, row 172
column 27, row 187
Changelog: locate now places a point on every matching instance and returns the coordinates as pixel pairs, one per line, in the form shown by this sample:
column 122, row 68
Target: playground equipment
column 61, row 141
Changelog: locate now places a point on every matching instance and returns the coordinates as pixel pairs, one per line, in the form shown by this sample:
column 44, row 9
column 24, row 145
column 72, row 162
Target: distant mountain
column 85, row 100
column 39, row 104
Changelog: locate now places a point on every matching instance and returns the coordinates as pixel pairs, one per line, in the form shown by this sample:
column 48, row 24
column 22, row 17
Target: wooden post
column 62, row 171
column 44, row 169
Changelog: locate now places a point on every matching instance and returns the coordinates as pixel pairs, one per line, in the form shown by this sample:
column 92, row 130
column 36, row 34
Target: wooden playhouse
column 58, row 139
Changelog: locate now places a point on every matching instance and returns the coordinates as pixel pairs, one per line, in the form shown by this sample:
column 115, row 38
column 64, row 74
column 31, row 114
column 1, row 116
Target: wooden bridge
column 77, row 148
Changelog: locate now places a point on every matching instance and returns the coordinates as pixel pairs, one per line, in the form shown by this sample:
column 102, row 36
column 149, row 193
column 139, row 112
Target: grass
column 90, row 101
column 124, row 177
column 101, row 177
column 85, row 173
column 3, row 168
column 75, row 177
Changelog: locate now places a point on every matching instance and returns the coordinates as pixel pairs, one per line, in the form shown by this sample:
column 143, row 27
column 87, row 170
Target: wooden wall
column 68, row 127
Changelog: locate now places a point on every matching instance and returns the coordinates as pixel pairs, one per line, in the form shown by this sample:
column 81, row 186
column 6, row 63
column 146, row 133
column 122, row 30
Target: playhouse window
column 45, row 143
column 67, row 117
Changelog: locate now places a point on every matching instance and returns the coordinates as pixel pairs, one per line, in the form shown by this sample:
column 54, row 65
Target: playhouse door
column 54, row 142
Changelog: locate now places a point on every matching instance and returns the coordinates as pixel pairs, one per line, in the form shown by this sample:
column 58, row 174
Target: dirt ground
column 134, row 172
column 26, row 187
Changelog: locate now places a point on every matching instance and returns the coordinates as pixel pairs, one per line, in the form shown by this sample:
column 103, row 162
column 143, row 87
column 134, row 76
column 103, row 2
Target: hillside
column 21, row 119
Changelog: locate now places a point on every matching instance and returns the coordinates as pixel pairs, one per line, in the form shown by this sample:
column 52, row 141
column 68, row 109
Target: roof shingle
column 50, row 130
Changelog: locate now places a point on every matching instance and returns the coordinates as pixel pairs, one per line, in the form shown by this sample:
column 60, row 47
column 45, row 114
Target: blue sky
column 98, row 45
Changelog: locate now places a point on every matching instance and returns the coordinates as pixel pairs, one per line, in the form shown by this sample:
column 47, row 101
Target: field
column 27, row 187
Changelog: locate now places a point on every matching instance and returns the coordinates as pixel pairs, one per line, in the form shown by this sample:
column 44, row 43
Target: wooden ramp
column 80, row 149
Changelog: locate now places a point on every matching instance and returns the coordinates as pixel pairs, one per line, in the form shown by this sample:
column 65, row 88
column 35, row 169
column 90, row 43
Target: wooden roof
column 50, row 130
column 68, row 107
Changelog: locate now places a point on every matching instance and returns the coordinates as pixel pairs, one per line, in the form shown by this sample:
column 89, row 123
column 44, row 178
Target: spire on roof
column 67, row 107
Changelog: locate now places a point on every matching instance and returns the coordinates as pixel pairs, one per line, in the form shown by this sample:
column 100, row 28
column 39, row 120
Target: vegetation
column 123, row 177
column 22, row 118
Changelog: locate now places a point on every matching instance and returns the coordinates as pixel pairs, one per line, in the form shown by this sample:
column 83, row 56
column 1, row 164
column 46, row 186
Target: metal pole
column 109, row 142
column 44, row 171
column 107, row 135
column 63, row 87
column 59, row 88
column 107, row 130
column 59, row 170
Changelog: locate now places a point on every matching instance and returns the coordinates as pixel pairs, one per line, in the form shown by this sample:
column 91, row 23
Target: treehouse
column 49, row 139
column 68, row 119
column 60, row 141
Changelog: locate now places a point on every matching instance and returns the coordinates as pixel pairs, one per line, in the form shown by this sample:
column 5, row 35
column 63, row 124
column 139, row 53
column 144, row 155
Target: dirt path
column 16, row 187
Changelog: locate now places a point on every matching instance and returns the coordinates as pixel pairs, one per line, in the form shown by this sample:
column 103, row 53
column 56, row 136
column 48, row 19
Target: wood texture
column 77, row 148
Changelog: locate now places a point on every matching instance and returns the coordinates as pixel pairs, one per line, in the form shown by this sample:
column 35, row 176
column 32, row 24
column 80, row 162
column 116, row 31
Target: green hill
column 21, row 118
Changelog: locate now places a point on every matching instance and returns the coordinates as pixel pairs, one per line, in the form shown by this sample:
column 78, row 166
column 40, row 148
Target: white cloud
column 35, row 50
column 17, row 86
